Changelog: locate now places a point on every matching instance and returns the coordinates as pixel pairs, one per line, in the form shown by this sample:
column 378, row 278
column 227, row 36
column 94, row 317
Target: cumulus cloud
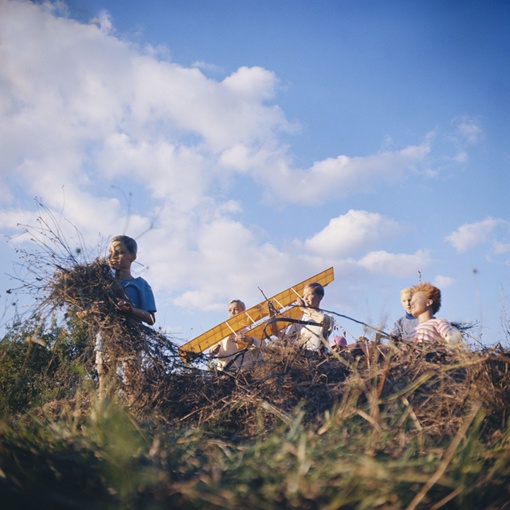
column 119, row 139
column 205, row 260
column 352, row 232
column 395, row 264
column 80, row 102
column 442, row 281
column 470, row 235
column 79, row 97
column 343, row 175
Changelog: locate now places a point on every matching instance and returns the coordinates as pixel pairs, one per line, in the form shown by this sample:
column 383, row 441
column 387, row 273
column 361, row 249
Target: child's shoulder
column 139, row 281
column 142, row 281
column 437, row 324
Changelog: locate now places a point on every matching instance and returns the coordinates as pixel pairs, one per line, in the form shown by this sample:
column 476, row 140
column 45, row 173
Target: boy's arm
column 143, row 315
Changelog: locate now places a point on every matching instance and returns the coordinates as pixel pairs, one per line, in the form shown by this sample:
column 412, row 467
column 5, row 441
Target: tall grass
column 370, row 450
column 376, row 428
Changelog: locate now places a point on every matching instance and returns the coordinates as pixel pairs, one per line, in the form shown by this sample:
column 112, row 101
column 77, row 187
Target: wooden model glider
column 254, row 319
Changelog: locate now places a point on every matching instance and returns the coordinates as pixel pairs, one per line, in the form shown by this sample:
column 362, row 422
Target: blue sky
column 252, row 144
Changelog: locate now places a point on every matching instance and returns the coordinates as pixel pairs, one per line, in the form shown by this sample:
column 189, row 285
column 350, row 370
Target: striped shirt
column 434, row 330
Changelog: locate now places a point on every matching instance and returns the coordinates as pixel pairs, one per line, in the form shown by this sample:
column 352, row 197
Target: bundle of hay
column 90, row 292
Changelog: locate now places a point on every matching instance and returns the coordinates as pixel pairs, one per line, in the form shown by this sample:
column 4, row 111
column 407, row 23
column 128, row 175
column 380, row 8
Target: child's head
column 313, row 294
column 128, row 242
column 122, row 252
column 431, row 293
column 405, row 298
column 235, row 306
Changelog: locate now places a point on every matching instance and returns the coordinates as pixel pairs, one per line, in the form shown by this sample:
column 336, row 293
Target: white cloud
column 460, row 157
column 171, row 173
column 11, row 219
column 253, row 83
column 500, row 248
column 396, row 264
column 104, row 22
column 472, row 234
column 206, row 67
column 442, row 282
column 467, row 129
column 88, row 119
column 219, row 254
column 84, row 102
column 351, row 232
column 343, row 175
column 77, row 91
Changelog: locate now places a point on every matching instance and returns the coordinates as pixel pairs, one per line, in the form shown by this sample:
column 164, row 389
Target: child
column 236, row 350
column 309, row 337
column 425, row 302
column 403, row 328
column 139, row 300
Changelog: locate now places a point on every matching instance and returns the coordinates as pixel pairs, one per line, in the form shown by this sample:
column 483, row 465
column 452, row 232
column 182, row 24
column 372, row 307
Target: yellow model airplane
column 256, row 318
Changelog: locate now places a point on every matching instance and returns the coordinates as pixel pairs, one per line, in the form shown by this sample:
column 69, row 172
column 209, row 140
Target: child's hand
column 243, row 341
column 124, row 306
column 300, row 302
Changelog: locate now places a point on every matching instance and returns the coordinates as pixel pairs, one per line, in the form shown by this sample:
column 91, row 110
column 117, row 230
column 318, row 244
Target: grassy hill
column 383, row 427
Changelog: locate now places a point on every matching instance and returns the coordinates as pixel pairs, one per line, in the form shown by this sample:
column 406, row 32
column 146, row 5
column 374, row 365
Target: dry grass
column 434, row 383
column 380, row 427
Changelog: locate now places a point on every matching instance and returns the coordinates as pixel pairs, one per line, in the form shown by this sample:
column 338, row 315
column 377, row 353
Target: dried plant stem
column 450, row 452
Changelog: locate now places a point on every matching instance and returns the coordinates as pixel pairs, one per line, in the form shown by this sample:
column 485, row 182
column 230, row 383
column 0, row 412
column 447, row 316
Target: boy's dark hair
column 128, row 242
column 238, row 302
column 318, row 289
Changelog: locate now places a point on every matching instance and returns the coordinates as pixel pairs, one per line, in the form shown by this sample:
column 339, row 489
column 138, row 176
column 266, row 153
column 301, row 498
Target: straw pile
column 435, row 387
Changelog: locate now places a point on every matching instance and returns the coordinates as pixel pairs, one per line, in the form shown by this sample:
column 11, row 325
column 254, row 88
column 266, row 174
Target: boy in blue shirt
column 139, row 303
column 139, row 300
